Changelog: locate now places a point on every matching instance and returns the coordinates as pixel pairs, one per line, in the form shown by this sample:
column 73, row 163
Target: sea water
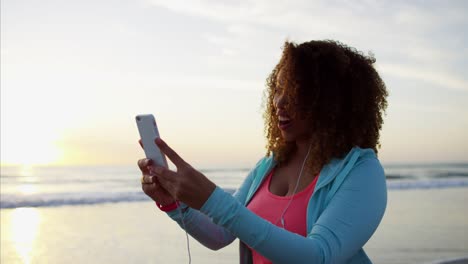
column 98, row 214
column 81, row 185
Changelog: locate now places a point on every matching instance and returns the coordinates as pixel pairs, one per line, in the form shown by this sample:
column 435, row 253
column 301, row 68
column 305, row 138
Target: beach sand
column 420, row 226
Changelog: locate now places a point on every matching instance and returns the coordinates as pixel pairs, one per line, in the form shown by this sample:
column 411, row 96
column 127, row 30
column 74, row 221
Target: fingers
column 164, row 174
column 170, row 153
column 147, row 184
column 146, row 179
column 167, row 179
column 144, row 165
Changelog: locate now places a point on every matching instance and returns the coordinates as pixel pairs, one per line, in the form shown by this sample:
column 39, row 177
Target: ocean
column 82, row 185
column 98, row 214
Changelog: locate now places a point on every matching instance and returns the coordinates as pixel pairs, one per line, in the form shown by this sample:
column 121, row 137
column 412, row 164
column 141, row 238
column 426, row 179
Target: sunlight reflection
column 27, row 189
column 24, row 230
column 26, row 170
column 27, row 173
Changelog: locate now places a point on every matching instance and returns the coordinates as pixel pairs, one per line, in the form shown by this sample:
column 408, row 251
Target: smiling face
column 292, row 126
column 327, row 93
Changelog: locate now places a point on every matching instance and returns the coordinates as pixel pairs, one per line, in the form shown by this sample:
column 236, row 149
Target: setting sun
column 26, row 150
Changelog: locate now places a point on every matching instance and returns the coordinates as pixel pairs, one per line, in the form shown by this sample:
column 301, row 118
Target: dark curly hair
column 336, row 89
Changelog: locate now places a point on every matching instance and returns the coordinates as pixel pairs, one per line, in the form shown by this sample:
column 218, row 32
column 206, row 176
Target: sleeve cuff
column 212, row 201
column 221, row 207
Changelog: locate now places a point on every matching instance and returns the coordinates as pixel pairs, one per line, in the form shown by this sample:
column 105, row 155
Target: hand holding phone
column 148, row 133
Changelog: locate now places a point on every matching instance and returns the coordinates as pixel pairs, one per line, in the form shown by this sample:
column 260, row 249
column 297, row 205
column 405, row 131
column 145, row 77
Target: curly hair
column 336, row 89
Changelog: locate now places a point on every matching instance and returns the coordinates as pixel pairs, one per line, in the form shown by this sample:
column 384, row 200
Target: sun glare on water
column 24, row 230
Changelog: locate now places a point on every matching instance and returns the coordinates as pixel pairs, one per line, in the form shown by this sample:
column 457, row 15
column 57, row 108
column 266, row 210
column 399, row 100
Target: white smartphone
column 148, row 133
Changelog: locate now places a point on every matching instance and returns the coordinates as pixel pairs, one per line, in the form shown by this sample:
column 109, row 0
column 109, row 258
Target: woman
column 319, row 193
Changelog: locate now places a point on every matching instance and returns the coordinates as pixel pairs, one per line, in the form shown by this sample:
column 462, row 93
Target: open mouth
column 284, row 122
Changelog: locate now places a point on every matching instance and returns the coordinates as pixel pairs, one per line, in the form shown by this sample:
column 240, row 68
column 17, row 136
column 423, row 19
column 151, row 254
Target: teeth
column 282, row 118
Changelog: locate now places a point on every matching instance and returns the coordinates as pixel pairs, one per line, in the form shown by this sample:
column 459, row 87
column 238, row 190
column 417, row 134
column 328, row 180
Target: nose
column 279, row 101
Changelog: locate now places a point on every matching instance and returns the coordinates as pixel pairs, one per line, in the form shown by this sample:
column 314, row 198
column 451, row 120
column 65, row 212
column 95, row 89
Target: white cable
column 182, row 216
column 295, row 188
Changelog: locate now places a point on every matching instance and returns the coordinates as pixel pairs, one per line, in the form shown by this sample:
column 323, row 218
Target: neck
column 302, row 147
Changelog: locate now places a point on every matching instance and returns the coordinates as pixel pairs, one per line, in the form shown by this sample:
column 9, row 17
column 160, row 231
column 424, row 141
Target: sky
column 75, row 73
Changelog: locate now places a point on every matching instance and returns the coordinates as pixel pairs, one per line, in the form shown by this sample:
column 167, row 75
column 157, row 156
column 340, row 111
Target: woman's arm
column 202, row 228
column 343, row 228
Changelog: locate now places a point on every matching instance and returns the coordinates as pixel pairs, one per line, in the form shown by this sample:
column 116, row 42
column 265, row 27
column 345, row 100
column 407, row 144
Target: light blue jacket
column 344, row 211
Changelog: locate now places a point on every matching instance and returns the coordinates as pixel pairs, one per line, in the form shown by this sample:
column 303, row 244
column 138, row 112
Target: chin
column 288, row 137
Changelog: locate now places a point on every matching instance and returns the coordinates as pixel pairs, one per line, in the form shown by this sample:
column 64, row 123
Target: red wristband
column 168, row 207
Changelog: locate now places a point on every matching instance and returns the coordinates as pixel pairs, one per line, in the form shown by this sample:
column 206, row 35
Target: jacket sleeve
column 342, row 229
column 202, row 228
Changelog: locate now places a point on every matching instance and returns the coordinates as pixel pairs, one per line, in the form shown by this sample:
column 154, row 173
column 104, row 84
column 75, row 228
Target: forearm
column 276, row 244
column 202, row 228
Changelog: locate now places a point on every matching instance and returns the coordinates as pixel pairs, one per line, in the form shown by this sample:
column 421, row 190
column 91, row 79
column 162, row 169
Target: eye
column 277, row 89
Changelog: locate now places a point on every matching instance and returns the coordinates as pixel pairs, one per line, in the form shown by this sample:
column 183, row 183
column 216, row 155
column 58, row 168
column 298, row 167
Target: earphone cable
column 182, row 216
column 295, row 188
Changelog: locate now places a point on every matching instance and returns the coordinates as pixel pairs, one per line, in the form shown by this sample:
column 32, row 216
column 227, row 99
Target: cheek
column 275, row 101
column 303, row 127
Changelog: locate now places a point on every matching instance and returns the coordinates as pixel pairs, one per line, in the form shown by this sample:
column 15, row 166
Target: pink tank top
column 270, row 207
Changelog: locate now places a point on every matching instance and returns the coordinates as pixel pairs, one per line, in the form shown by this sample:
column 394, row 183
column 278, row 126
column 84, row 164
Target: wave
column 460, row 260
column 425, row 174
column 70, row 199
column 45, row 181
column 397, row 176
column 426, row 184
column 62, row 199
column 451, row 174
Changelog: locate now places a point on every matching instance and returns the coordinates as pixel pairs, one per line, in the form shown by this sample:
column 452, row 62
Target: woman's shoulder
column 356, row 160
column 367, row 158
column 368, row 167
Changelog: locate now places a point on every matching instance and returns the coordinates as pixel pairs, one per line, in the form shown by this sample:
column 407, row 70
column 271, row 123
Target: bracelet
column 168, row 207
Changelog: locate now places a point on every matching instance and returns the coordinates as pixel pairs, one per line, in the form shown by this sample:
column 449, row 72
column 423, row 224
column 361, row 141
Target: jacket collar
column 327, row 174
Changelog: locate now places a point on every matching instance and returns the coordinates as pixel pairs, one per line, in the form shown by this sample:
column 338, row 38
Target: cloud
column 292, row 15
column 425, row 108
column 198, row 82
column 401, row 34
column 443, row 79
column 377, row 23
